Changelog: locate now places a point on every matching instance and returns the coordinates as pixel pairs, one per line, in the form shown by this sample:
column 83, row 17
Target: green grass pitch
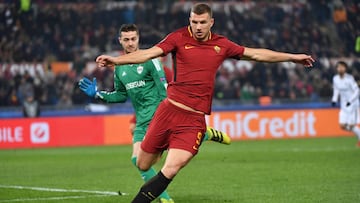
column 288, row 171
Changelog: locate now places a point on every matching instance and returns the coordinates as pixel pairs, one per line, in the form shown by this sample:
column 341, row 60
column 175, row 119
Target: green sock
column 206, row 137
column 147, row 175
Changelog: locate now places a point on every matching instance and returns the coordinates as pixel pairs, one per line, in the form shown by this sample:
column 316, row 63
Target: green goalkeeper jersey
column 145, row 85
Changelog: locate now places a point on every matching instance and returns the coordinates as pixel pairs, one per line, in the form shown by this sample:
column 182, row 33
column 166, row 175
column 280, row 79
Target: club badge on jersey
column 217, row 49
column 140, row 69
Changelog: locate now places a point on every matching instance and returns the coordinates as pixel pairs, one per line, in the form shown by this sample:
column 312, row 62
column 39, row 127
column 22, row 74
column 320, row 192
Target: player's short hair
column 201, row 8
column 128, row 28
column 343, row 63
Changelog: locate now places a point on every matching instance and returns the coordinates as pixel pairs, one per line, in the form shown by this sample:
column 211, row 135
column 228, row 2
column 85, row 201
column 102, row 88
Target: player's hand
column 303, row 59
column 105, row 61
column 348, row 104
column 333, row 104
column 88, row 86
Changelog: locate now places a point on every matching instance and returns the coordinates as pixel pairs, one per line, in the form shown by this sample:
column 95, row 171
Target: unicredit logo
column 39, row 133
column 253, row 125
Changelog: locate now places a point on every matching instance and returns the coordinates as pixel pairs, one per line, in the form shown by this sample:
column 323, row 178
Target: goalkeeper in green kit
column 145, row 84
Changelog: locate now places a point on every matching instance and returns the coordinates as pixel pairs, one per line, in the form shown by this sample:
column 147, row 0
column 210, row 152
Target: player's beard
column 201, row 37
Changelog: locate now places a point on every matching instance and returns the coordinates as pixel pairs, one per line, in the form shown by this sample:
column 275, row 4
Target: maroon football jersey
column 195, row 64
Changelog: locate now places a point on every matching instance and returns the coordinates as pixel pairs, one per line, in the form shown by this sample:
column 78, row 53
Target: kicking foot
column 218, row 136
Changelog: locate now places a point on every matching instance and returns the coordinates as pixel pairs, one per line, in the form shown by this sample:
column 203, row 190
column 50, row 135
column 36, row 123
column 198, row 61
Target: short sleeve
column 234, row 50
column 168, row 44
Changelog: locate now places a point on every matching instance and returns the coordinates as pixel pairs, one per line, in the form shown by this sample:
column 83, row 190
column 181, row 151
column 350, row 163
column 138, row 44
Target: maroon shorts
column 174, row 128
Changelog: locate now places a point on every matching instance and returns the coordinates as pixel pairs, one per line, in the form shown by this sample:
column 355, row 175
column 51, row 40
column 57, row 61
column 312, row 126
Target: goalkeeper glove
column 89, row 88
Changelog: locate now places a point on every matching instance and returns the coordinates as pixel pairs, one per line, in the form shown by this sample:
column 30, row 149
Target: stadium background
column 47, row 46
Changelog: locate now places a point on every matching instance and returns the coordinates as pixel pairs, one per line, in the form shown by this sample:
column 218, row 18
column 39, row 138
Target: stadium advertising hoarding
column 64, row 131
column 114, row 129
column 275, row 124
column 51, row 132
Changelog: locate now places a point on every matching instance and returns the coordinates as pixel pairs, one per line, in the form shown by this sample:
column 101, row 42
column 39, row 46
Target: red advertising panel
column 117, row 129
column 51, row 132
column 114, row 129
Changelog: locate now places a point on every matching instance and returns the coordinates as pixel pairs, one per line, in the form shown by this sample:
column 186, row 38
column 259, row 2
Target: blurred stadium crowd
column 77, row 31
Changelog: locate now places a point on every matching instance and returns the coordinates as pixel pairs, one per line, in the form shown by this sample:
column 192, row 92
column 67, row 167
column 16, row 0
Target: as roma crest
column 217, row 49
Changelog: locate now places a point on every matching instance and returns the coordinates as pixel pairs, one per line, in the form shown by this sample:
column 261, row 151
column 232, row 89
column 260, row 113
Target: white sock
column 356, row 130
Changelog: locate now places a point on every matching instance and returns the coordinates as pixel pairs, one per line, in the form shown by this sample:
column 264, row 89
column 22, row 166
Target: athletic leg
column 147, row 175
column 175, row 129
column 175, row 160
column 138, row 133
column 156, row 185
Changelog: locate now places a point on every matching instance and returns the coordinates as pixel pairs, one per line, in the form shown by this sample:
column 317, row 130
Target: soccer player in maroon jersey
column 179, row 122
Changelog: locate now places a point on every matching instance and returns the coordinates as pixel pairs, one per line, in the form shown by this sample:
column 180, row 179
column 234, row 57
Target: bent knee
column 145, row 160
column 143, row 165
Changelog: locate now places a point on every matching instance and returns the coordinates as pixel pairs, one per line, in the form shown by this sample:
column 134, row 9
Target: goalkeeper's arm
column 90, row 88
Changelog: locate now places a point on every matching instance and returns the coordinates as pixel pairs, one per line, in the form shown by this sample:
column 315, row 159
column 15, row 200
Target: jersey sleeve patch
column 156, row 64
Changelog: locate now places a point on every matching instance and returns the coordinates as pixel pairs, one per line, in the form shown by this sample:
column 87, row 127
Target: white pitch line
column 61, row 190
column 50, row 198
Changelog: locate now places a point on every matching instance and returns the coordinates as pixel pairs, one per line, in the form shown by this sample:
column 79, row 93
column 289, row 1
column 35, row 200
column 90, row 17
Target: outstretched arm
column 136, row 57
column 266, row 55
